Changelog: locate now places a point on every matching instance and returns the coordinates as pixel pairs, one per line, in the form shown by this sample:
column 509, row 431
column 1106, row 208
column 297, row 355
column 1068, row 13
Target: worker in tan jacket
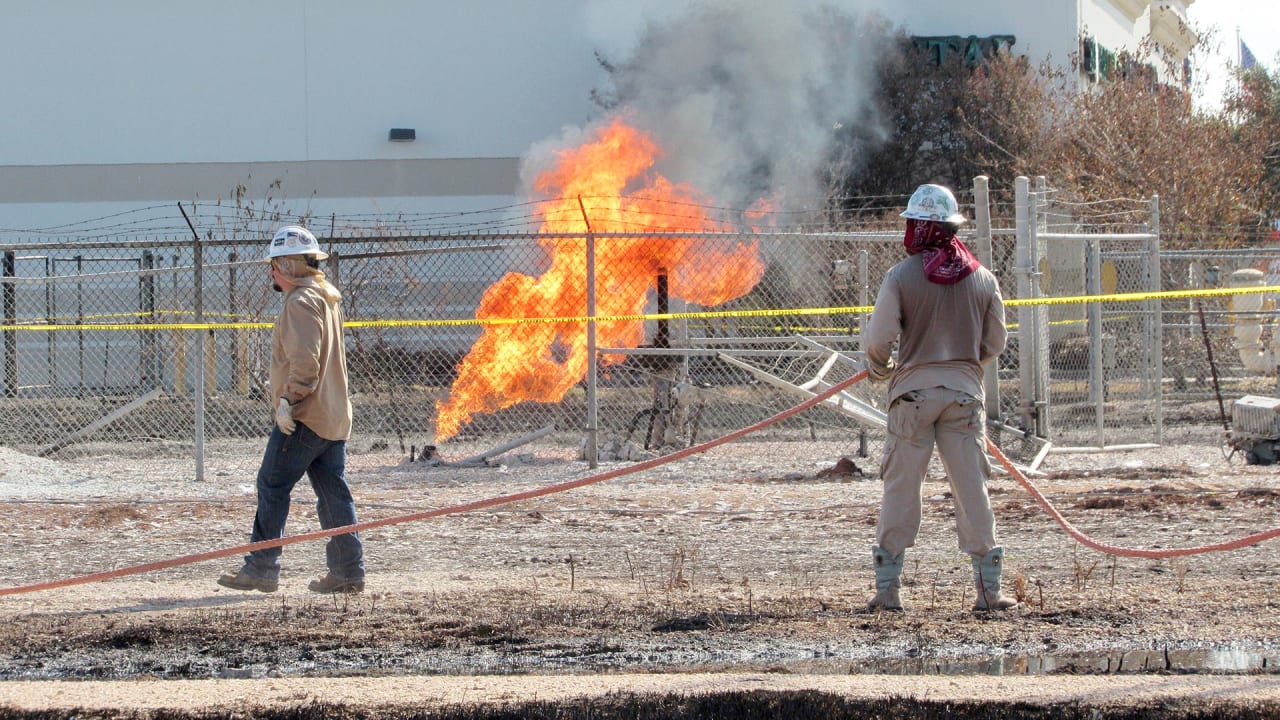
column 312, row 412
column 944, row 311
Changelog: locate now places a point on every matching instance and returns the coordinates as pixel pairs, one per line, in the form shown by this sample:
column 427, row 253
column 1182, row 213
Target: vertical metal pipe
column 334, row 270
column 662, row 339
column 10, row 320
column 239, row 364
column 147, row 300
column 179, row 343
column 662, row 380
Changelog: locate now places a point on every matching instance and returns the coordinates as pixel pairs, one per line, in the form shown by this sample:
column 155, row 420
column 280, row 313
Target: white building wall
column 121, row 105
column 144, row 81
column 113, row 106
column 1116, row 25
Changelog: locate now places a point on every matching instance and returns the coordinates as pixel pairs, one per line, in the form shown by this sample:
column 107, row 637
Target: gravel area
column 748, row 561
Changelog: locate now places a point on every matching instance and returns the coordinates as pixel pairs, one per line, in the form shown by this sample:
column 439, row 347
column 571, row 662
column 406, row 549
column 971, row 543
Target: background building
column 375, row 109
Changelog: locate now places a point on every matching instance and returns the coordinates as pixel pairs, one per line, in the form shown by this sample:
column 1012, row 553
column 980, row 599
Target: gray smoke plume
column 746, row 97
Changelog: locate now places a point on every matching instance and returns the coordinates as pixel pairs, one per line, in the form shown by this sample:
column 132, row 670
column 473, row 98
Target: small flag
column 1247, row 60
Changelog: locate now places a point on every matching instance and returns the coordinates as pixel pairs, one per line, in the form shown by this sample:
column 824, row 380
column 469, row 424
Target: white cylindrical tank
column 1248, row 323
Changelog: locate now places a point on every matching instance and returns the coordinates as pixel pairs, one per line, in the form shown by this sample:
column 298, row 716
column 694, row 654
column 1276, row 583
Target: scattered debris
column 843, row 468
column 617, row 449
column 430, row 453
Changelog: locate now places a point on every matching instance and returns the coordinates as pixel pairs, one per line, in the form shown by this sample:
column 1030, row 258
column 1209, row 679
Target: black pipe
column 10, row 319
column 663, row 338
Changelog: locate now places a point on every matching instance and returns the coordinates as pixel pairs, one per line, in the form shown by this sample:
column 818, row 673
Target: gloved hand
column 877, row 376
column 284, row 417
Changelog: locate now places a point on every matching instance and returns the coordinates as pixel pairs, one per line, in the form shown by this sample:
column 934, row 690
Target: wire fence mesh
column 682, row 337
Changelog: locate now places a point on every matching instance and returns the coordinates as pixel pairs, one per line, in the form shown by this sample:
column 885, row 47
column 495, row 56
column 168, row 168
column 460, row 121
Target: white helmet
column 295, row 240
column 933, row 202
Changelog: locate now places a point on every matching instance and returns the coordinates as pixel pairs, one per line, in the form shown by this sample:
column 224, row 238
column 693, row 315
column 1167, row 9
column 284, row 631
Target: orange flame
column 540, row 361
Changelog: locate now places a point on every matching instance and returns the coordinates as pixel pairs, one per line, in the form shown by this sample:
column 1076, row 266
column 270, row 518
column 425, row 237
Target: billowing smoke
column 746, row 97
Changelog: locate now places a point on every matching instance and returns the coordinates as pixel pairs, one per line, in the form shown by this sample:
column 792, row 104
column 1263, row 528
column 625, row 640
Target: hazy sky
column 1258, row 24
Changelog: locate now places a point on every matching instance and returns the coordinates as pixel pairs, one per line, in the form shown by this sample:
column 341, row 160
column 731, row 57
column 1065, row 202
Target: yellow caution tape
column 706, row 314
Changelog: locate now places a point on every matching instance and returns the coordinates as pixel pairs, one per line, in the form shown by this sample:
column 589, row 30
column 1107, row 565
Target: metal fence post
column 1024, row 269
column 982, row 224
column 198, row 248
column 864, row 295
column 1155, row 324
column 80, row 324
column 593, row 411
column 1039, row 224
column 48, row 318
column 1097, row 372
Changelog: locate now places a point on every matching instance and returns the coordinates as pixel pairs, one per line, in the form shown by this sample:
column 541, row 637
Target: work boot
column 245, row 580
column 330, row 584
column 888, row 574
column 986, row 579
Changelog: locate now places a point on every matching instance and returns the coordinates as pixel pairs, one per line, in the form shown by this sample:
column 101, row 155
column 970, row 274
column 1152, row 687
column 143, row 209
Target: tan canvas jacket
column 309, row 363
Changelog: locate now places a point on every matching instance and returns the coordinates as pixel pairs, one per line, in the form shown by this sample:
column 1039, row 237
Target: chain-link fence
column 682, row 337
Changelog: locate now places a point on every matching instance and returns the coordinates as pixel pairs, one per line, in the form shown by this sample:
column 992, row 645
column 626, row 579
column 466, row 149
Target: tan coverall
column 945, row 334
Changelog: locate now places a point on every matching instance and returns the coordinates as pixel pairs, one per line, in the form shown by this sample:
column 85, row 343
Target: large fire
column 611, row 179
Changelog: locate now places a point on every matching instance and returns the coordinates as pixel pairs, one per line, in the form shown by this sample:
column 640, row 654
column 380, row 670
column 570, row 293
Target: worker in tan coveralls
column 312, row 413
column 945, row 312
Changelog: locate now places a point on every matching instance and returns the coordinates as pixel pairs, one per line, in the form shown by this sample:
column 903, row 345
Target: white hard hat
column 933, row 202
column 295, row 240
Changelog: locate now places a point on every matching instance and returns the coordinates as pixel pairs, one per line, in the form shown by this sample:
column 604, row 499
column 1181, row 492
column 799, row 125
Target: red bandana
column 946, row 260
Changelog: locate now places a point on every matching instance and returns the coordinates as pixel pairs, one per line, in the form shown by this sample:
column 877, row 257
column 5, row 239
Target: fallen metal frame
column 100, row 423
column 486, row 458
column 850, row 405
column 842, row 401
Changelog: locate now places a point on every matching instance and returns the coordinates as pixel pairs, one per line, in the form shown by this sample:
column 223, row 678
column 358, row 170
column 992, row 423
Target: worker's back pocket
column 904, row 414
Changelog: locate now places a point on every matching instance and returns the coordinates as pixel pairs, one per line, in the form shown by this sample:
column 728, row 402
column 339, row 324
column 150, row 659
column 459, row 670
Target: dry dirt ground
column 745, row 567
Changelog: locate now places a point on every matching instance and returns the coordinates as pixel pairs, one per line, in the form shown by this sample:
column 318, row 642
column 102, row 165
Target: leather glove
column 284, row 417
column 877, row 376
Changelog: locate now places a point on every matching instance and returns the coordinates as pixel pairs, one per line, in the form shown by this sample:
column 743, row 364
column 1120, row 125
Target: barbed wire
column 633, row 212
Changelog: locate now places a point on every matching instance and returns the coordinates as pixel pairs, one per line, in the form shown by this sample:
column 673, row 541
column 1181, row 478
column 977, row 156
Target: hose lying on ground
column 619, row 472
column 438, row 512
column 1089, row 542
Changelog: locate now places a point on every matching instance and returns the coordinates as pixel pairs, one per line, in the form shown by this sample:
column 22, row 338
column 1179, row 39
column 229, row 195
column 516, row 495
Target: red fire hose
column 1115, row 549
column 619, row 472
column 451, row 510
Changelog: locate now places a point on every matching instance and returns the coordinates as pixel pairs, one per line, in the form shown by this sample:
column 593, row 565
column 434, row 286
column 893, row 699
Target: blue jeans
column 324, row 462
